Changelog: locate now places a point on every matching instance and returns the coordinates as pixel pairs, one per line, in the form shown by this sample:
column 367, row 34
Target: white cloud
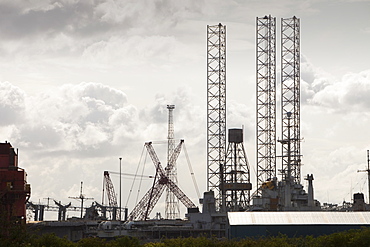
column 74, row 117
column 72, row 134
column 349, row 94
column 12, row 104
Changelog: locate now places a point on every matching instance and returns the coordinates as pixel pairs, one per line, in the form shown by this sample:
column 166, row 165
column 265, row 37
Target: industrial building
column 14, row 190
column 293, row 224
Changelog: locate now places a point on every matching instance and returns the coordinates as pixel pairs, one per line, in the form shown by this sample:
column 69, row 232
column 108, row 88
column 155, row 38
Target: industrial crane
column 110, row 192
column 112, row 199
column 161, row 180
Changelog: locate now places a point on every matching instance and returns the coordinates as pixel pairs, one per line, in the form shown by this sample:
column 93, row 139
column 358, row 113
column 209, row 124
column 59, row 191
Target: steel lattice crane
column 112, row 198
column 161, row 180
column 172, row 210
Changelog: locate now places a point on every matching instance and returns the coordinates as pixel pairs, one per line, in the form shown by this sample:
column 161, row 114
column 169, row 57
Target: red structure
column 14, row 190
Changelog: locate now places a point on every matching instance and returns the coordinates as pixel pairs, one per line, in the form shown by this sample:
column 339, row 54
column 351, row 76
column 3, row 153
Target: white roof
column 299, row 218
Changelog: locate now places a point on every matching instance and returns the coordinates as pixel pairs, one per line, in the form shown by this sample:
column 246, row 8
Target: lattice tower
column 172, row 209
column 266, row 99
column 290, row 98
column 216, row 106
column 236, row 184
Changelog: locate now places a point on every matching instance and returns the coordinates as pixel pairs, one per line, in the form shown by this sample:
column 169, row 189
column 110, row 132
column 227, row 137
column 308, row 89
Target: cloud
column 83, row 19
column 12, row 104
column 135, row 50
column 75, row 132
column 349, row 94
column 85, row 116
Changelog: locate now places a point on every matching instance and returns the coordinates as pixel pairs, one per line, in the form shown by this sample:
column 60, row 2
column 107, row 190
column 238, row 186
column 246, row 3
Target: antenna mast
column 368, row 173
column 82, row 198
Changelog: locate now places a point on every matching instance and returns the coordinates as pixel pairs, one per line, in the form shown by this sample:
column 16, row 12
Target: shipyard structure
column 232, row 206
column 14, row 190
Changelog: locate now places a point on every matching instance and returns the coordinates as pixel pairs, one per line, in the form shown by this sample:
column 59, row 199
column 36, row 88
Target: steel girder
column 172, row 209
column 161, row 180
column 236, row 172
column 216, row 106
column 266, row 99
column 290, row 98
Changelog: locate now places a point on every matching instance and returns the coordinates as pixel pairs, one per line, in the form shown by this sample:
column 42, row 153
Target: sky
column 84, row 83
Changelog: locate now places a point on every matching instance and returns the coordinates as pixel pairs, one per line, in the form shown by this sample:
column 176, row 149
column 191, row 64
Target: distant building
column 294, row 224
column 14, row 190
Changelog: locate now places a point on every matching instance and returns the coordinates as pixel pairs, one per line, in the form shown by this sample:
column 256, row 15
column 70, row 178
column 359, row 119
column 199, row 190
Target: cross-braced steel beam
column 216, row 106
column 236, row 184
column 266, row 99
column 172, row 209
column 290, row 99
column 151, row 197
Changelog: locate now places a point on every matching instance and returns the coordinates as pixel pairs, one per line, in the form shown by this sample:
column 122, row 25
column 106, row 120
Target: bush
column 16, row 235
column 50, row 240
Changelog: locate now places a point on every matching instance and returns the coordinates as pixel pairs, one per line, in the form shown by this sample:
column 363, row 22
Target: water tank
column 236, row 135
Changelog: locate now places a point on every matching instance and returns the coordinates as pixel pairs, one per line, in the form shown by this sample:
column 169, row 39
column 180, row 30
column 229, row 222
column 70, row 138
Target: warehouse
column 252, row 224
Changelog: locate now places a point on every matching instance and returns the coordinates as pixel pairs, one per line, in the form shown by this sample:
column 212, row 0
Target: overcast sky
column 86, row 82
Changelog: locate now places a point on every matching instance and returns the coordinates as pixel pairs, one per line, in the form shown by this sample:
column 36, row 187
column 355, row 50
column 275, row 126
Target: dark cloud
column 19, row 21
column 87, row 18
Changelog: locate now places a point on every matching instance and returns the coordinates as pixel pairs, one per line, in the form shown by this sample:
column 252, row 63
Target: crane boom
column 143, row 208
column 184, row 199
column 161, row 180
column 174, row 156
column 110, row 190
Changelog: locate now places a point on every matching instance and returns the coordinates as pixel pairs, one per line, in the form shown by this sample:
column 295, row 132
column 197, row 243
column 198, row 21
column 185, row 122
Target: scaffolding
column 266, row 99
column 216, row 106
column 290, row 99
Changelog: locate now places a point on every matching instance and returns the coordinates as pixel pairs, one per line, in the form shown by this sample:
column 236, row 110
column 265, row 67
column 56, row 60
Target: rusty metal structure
column 265, row 99
column 14, row 190
column 290, row 99
column 216, row 106
column 143, row 209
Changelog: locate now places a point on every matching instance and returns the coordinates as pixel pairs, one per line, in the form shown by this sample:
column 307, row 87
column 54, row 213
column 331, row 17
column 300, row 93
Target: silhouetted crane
column 161, row 180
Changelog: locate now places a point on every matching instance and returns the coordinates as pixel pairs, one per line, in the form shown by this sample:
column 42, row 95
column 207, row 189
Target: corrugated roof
column 299, row 218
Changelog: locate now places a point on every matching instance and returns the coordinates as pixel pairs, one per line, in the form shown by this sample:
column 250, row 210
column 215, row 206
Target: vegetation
column 349, row 238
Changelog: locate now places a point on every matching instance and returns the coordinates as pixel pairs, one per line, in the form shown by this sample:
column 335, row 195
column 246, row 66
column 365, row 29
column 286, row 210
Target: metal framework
column 150, row 199
column 172, row 209
column 368, row 173
column 112, row 198
column 266, row 99
column 216, row 106
column 236, row 184
column 82, row 198
column 290, row 99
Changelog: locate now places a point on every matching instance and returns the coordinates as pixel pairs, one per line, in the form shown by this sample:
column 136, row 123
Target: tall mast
column 216, row 107
column 172, row 210
column 266, row 99
column 290, row 98
column 368, row 173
